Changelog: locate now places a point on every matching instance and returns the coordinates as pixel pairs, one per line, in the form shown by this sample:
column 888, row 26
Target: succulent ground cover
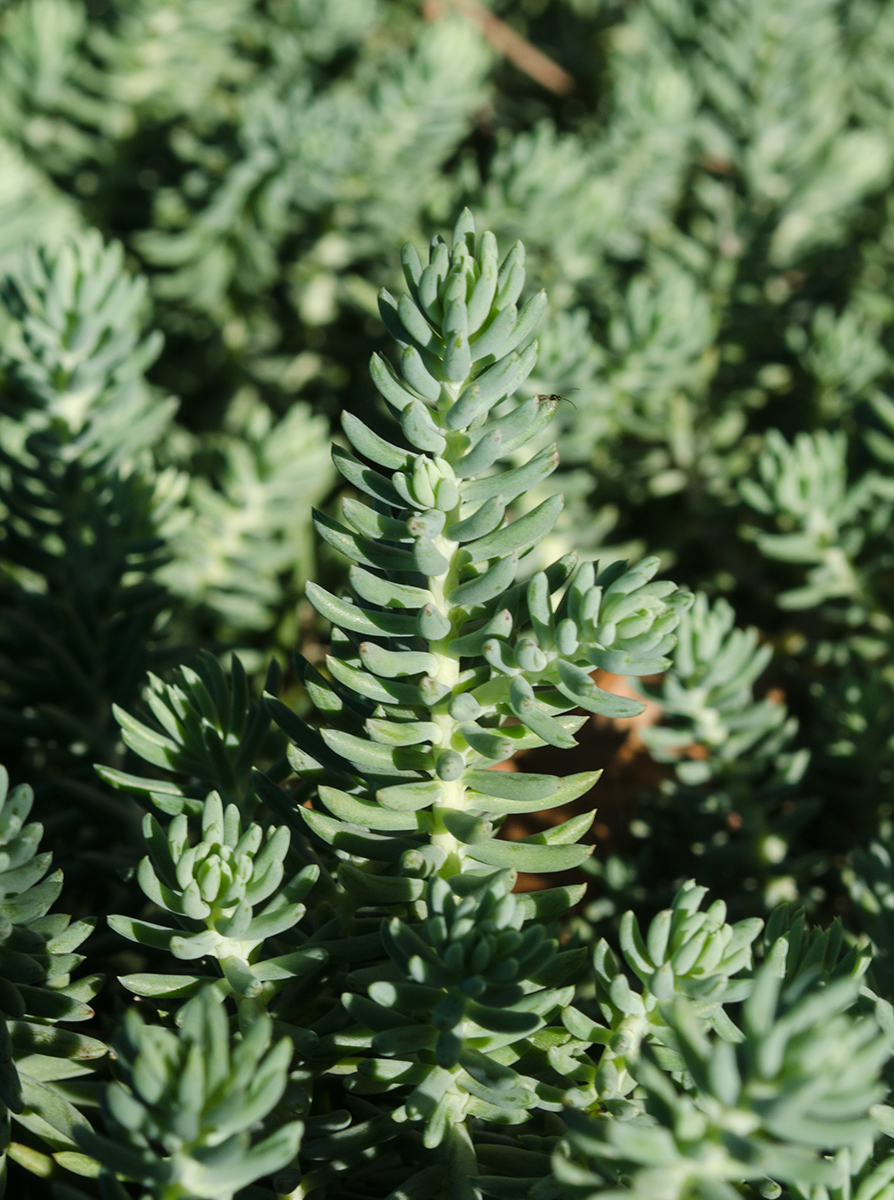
column 340, row 583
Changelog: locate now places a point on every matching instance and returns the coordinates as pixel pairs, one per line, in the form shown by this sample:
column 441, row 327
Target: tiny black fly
column 556, row 399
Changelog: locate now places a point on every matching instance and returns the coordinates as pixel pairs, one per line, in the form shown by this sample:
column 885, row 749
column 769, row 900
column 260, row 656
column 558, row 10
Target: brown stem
column 506, row 41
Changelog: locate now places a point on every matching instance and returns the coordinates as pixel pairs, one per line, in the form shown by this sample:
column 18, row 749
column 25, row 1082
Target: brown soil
column 616, row 747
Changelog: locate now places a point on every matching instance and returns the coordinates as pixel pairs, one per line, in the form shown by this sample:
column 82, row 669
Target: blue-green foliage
column 805, row 488
column 441, row 1034
column 761, row 1108
column 733, row 801
column 228, row 895
column 38, row 1121
column 706, row 698
column 694, row 1100
column 445, row 658
column 81, row 545
column 241, row 546
column 709, row 212
column 74, row 352
column 197, row 1095
column 205, row 728
column 98, row 529
column 472, row 987
column 445, row 661
column 249, row 138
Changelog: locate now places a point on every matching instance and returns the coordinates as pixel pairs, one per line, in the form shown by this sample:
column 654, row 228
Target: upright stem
column 440, row 586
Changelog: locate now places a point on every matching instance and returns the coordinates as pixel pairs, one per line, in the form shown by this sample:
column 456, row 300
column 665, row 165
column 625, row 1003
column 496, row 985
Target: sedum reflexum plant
column 710, row 210
column 765, row 1103
column 198, row 1097
column 731, row 808
column 716, row 1074
column 805, row 487
column 422, row 995
column 39, row 1058
column 447, row 658
column 339, row 991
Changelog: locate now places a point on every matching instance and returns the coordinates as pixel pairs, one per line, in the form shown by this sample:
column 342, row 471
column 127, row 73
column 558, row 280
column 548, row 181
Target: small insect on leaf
column 555, row 399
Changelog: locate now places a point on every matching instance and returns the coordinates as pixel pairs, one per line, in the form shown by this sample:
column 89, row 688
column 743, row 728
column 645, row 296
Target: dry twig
column 505, row 40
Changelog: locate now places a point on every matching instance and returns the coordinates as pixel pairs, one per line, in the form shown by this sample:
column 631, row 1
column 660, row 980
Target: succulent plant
column 186, row 1103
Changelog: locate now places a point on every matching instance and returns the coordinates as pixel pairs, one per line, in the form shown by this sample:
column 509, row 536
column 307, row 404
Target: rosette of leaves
column 686, row 952
column 206, row 731
column 39, row 1059
column 824, row 521
column 463, row 1023
column 444, row 660
column 228, row 893
column 184, row 1112
column 799, row 1081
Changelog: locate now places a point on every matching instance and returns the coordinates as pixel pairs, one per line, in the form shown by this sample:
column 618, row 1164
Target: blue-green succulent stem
column 444, row 662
